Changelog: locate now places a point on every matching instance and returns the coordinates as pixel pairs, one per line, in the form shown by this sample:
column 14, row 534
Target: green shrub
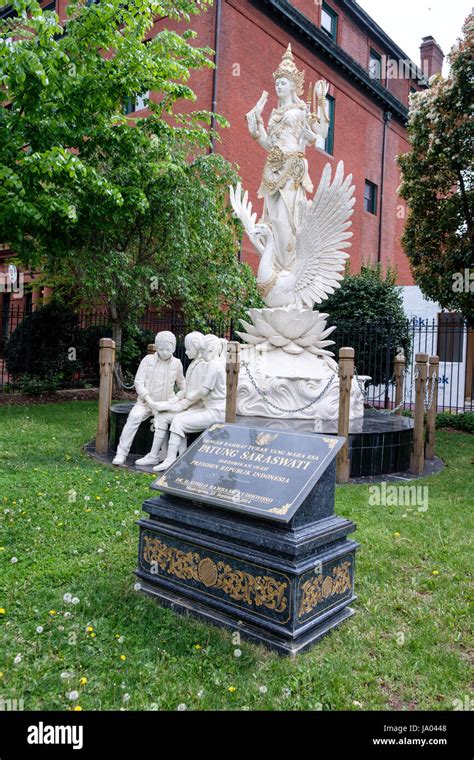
column 39, row 346
column 36, row 386
column 368, row 312
column 463, row 421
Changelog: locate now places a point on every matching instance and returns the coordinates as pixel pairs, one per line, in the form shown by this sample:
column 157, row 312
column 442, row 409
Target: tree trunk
column 117, row 337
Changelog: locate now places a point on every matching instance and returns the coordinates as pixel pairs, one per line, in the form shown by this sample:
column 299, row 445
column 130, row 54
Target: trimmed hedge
column 463, row 421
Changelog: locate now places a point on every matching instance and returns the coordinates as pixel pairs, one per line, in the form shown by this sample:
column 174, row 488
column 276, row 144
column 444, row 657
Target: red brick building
column 370, row 81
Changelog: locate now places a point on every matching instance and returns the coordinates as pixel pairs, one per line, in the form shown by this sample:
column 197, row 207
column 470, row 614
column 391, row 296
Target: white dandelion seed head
column 73, row 695
column 182, row 707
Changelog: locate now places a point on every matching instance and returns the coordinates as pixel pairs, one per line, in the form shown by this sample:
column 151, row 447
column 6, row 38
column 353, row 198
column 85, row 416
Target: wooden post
column 232, row 370
column 151, row 348
column 433, row 374
column 106, row 365
column 346, row 373
column 417, row 461
column 399, row 370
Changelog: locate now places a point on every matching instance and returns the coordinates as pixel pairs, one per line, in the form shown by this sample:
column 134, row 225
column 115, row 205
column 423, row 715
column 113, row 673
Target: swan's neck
column 266, row 269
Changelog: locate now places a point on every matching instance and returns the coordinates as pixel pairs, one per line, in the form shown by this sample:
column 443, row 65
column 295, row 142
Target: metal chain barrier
column 280, row 408
column 404, row 393
column 121, row 383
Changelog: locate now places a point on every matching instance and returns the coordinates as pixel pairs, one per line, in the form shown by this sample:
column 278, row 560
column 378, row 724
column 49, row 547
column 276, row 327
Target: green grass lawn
column 70, row 524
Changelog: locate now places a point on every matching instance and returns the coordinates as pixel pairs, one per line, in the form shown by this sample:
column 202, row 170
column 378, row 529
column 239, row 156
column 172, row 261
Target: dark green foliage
column 368, row 312
column 39, row 346
column 463, row 421
column 438, row 183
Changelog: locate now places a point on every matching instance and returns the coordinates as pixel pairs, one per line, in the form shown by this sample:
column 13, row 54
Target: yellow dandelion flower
column 90, row 628
column 198, row 647
column 83, row 681
column 396, row 534
column 231, row 689
column 435, row 572
column 52, row 612
column 77, row 708
column 122, row 657
column 1, row 674
column 2, row 610
column 93, row 635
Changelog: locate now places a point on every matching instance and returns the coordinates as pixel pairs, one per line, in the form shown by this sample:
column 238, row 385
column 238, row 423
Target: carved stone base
column 275, row 384
column 284, row 585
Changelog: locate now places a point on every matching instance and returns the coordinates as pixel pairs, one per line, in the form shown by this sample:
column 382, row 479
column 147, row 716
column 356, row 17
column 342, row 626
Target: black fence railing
column 73, row 347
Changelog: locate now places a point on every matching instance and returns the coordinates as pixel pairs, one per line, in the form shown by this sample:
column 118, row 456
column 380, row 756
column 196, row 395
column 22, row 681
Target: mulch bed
column 73, row 394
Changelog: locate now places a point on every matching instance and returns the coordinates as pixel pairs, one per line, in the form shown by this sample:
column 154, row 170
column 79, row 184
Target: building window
column 329, row 21
column 132, row 104
column 328, row 144
column 375, row 65
column 370, row 197
column 450, row 337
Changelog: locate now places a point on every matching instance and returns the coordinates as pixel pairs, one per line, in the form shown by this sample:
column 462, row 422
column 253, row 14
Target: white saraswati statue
column 288, row 370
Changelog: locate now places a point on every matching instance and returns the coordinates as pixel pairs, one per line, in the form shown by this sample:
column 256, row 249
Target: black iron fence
column 65, row 353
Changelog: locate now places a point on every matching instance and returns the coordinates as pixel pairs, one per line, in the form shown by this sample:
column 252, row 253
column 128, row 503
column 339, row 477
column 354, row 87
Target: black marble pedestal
column 282, row 575
column 380, row 444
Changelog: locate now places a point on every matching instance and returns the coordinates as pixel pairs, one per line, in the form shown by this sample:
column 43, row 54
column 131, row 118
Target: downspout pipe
column 387, row 117
column 217, row 40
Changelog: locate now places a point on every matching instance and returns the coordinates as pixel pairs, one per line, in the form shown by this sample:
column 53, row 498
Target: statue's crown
column 288, row 70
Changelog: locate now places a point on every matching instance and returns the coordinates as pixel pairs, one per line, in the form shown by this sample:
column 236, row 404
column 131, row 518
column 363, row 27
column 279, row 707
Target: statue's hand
column 260, row 237
column 322, row 88
column 309, row 135
column 261, row 103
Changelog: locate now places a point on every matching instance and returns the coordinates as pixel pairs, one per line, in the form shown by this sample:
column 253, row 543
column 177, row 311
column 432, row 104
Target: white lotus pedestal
column 287, row 371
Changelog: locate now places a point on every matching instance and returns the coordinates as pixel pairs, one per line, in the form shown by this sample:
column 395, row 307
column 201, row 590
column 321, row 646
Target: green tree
column 121, row 212
column 437, row 182
column 368, row 311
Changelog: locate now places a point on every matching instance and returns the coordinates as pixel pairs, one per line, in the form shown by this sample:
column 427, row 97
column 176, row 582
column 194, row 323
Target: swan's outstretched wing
column 322, row 238
column 243, row 208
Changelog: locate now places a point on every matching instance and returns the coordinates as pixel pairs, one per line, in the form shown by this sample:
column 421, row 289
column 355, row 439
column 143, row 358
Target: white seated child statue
column 157, row 378
column 166, row 411
column 212, row 395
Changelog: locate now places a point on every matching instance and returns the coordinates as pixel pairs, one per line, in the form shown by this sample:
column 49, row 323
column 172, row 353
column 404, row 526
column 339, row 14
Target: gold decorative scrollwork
column 320, row 587
column 259, row 590
column 281, row 510
column 331, row 442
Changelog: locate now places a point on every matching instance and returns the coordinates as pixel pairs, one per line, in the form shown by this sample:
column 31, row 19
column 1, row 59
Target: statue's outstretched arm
column 318, row 120
column 255, row 122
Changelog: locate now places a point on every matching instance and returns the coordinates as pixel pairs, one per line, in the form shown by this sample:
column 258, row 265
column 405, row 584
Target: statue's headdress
column 288, row 70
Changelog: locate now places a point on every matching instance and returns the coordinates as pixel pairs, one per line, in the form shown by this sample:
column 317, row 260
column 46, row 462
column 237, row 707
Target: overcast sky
column 407, row 21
